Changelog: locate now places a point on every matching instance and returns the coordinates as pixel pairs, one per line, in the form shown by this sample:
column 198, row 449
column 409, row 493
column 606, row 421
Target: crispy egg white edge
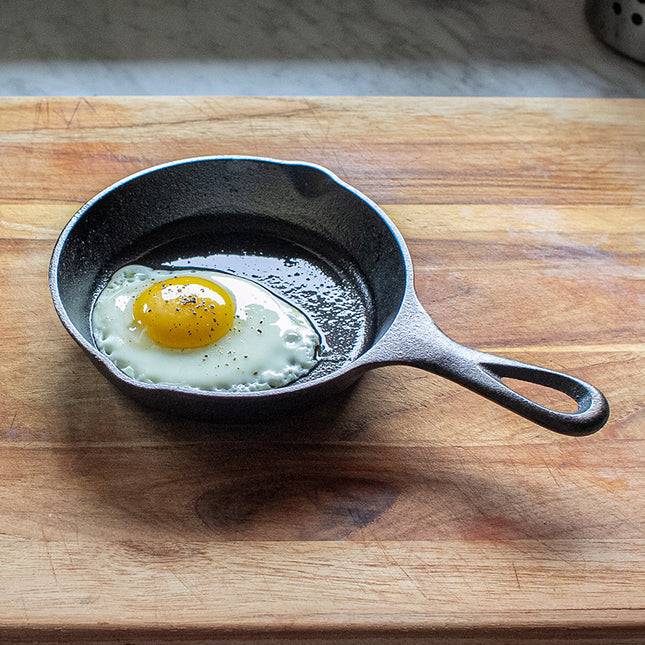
column 266, row 363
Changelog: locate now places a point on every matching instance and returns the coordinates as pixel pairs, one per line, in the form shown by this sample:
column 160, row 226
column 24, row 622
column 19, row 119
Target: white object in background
column 621, row 24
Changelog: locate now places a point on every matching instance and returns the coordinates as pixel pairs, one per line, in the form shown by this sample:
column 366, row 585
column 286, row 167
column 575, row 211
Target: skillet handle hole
column 542, row 395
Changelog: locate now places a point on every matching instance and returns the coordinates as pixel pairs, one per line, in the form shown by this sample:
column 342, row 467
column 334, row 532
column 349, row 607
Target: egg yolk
column 185, row 312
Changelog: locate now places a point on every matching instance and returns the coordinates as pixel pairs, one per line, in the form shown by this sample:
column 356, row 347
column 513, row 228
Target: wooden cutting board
column 408, row 509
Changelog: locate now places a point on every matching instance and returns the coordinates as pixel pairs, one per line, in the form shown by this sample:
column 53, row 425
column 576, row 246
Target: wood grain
column 408, row 509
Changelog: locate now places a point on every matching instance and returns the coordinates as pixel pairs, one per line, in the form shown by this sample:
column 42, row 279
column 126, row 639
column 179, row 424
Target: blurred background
column 309, row 47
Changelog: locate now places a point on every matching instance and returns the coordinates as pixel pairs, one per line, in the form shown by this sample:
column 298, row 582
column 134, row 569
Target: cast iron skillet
column 309, row 237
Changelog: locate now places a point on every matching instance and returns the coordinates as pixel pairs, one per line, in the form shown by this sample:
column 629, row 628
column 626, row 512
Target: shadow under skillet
column 168, row 487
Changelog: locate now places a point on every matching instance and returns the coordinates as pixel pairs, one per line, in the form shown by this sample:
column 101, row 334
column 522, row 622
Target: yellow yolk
column 185, row 312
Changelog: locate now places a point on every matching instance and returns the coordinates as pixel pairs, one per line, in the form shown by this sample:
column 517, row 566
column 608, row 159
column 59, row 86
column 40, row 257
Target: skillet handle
column 420, row 343
column 483, row 373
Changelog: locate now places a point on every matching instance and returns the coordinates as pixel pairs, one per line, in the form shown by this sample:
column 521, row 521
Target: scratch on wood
column 401, row 568
column 517, row 578
column 41, row 109
column 184, row 584
column 197, row 106
column 550, row 471
column 13, row 423
column 89, row 105
column 24, row 607
column 69, row 122
column 49, row 555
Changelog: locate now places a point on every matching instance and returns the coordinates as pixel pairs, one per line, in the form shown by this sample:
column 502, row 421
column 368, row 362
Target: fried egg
column 202, row 329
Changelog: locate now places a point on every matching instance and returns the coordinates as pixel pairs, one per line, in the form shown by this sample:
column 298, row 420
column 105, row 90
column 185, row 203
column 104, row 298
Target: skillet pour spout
column 312, row 239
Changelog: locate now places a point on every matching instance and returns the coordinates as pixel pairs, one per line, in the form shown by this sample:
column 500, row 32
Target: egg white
column 271, row 343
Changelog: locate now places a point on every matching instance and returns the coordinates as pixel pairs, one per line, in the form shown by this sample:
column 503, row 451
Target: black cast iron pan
column 309, row 237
